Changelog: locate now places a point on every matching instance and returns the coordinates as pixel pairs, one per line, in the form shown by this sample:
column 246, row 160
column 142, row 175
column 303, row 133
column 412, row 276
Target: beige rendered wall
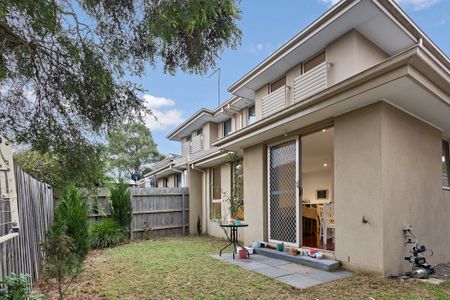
column 195, row 179
column 351, row 54
column 358, row 190
column 210, row 132
column 255, row 193
column 412, row 189
column 290, row 76
column 259, row 94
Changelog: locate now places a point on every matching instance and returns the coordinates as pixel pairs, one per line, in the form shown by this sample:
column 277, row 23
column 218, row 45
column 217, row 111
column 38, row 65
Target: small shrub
column 16, row 287
column 60, row 262
column 121, row 209
column 199, row 226
column 72, row 214
column 106, row 233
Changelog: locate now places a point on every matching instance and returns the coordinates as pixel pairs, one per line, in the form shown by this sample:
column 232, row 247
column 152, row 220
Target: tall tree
column 131, row 149
column 63, row 63
column 59, row 171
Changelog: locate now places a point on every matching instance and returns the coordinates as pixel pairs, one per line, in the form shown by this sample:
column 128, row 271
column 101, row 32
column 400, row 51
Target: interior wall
column 320, row 180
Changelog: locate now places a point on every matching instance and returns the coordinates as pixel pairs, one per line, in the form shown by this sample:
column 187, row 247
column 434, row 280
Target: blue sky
column 266, row 25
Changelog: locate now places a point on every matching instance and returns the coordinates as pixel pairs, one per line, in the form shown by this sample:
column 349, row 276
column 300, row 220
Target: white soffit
column 365, row 17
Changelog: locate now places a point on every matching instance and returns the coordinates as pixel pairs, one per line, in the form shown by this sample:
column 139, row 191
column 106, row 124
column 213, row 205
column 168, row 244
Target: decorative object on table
column 293, row 251
column 237, row 222
column 280, row 247
column 231, row 221
column 256, row 244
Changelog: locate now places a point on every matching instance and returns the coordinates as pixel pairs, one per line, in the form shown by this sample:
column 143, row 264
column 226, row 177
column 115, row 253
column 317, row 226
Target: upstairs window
column 200, row 131
column 251, row 118
column 314, row 62
column 445, row 164
column 277, row 84
column 227, row 127
column 165, row 182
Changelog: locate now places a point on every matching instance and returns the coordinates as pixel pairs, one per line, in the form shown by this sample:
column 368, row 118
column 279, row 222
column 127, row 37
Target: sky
column 266, row 25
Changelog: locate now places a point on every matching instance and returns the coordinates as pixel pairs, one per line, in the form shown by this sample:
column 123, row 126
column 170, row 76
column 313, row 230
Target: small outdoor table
column 233, row 238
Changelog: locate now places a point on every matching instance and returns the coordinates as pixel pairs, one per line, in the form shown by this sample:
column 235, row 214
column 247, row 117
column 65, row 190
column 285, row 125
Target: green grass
column 181, row 268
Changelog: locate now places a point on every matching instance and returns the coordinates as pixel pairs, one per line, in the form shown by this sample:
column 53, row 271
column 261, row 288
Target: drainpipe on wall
column 204, row 200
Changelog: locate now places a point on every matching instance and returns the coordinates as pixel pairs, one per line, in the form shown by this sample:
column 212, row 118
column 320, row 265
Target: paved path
column 296, row 275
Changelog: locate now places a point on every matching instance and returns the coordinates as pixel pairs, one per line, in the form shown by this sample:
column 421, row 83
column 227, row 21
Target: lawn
column 181, row 268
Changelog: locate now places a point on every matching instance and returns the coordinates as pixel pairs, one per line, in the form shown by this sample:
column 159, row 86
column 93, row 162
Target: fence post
column 131, row 226
column 183, row 211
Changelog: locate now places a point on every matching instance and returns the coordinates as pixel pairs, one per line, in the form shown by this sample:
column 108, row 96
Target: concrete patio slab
column 294, row 274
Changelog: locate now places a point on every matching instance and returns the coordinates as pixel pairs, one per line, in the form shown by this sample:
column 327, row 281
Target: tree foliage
column 87, row 169
column 63, row 64
column 131, row 149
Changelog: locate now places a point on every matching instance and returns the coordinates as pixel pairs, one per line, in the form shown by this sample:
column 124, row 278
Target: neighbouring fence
column 23, row 254
column 156, row 211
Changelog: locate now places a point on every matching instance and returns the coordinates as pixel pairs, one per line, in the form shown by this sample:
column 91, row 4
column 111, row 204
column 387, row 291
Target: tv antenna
column 218, row 83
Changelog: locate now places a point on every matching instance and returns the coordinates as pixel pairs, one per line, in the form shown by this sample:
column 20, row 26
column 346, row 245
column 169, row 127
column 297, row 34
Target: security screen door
column 283, row 196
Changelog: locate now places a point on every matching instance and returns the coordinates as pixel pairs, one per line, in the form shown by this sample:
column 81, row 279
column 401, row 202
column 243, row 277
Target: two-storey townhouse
column 344, row 136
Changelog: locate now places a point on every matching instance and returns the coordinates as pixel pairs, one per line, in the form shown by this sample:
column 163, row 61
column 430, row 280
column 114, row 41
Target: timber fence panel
column 156, row 211
column 23, row 254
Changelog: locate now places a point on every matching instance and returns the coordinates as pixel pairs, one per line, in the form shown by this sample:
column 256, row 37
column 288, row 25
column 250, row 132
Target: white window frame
column 223, row 127
column 251, row 119
column 446, row 187
column 213, row 200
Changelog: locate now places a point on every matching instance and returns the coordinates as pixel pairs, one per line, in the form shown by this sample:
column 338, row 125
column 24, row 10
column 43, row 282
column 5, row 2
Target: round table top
column 233, row 225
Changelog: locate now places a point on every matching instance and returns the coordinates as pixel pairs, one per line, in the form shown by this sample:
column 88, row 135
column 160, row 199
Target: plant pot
column 293, row 251
column 280, row 247
column 242, row 253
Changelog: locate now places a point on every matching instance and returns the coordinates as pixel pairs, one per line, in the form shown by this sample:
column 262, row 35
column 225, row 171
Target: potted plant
column 280, row 247
column 293, row 251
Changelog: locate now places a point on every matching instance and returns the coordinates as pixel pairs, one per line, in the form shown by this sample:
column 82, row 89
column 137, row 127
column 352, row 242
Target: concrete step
column 328, row 265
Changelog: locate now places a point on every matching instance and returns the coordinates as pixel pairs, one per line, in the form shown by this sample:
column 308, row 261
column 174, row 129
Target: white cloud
column 259, row 48
column 163, row 116
column 157, row 102
column 417, row 4
column 329, row 2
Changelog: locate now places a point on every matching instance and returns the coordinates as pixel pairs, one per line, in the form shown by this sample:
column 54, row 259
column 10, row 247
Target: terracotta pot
column 293, row 251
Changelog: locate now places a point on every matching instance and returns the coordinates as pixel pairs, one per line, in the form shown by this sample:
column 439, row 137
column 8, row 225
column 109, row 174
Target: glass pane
column 217, row 189
column 445, row 164
column 277, row 84
column 226, row 127
column 251, row 114
column 217, row 210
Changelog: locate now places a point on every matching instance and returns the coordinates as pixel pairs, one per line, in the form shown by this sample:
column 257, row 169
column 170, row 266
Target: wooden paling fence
column 23, row 254
column 156, row 211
